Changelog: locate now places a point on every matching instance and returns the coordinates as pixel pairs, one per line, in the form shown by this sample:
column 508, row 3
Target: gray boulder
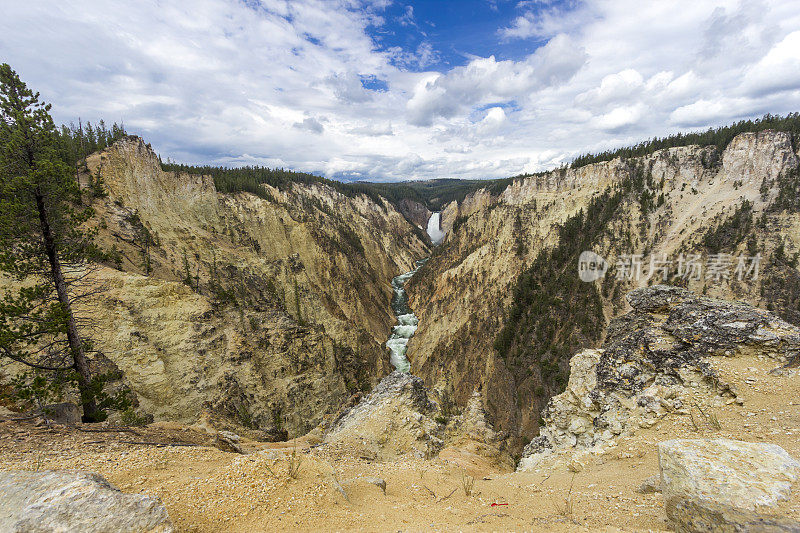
column 50, row 501
column 721, row 484
column 227, row 441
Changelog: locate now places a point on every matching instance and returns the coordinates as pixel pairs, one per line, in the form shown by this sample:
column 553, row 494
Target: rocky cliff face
column 655, row 361
column 679, row 200
column 263, row 313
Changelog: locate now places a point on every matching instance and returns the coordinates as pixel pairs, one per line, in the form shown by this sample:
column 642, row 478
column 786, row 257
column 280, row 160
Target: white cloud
column 372, row 130
column 279, row 82
column 620, row 117
column 614, row 87
column 486, row 79
column 778, row 70
column 310, row 124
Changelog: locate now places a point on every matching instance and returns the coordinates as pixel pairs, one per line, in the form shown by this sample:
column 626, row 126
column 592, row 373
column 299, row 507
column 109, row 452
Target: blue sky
column 455, row 31
column 393, row 90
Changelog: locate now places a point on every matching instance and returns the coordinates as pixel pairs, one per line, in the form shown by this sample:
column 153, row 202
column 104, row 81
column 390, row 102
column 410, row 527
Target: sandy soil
column 206, row 489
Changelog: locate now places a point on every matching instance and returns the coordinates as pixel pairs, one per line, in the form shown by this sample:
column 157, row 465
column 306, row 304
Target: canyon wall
column 267, row 313
column 677, row 200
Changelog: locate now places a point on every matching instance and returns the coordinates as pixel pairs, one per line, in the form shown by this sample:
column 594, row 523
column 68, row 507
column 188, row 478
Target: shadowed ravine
column 406, row 320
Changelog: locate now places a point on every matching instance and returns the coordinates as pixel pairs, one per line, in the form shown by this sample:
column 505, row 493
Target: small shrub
column 130, row 418
column 467, row 483
column 294, row 462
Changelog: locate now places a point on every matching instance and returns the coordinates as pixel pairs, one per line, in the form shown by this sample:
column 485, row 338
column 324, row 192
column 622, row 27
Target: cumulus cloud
column 303, row 83
column 486, row 79
column 620, row 117
column 347, row 87
column 778, row 70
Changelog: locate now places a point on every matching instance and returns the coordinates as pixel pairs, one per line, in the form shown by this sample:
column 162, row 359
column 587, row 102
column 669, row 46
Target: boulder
column 722, row 481
column 228, row 441
column 51, row 501
column 703, row 516
column 654, row 362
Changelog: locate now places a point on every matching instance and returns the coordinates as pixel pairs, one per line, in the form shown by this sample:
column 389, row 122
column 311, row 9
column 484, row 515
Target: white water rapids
column 406, row 321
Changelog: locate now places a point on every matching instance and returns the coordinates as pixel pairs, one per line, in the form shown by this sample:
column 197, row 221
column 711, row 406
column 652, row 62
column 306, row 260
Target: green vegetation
column 719, row 137
column 434, row 194
column 42, row 243
column 788, row 192
column 732, row 231
column 554, row 313
column 74, row 143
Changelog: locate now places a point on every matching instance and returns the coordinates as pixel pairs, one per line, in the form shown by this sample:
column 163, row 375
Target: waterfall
column 435, row 229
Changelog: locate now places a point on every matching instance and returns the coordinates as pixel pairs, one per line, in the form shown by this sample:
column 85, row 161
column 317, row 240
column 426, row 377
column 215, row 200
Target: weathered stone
column 378, row 482
column 718, row 484
column 740, row 474
column 658, row 298
column 702, row 516
column 228, row 442
column 653, row 363
column 66, row 413
column 50, row 501
column 650, row 485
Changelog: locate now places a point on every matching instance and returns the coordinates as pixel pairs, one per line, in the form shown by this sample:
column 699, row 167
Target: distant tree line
column 434, row 194
column 719, row 137
column 73, row 143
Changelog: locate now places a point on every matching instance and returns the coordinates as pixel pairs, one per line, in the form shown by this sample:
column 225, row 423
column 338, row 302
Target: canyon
column 677, row 200
column 258, row 324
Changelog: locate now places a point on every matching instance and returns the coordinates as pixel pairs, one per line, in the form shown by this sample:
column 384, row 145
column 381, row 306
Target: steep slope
column 501, row 306
column 267, row 314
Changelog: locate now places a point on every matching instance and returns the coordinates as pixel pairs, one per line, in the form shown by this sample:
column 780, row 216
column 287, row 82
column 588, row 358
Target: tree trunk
column 80, row 363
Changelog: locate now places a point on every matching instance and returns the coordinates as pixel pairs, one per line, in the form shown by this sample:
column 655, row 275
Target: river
column 406, row 320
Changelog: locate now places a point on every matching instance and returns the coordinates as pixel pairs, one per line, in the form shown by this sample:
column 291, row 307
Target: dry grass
column 467, row 483
column 708, row 417
column 293, row 463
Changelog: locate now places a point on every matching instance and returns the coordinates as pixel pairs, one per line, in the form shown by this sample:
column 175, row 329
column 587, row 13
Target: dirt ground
column 206, row 489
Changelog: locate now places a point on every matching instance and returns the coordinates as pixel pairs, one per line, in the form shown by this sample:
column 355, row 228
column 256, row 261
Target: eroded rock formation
column 654, row 361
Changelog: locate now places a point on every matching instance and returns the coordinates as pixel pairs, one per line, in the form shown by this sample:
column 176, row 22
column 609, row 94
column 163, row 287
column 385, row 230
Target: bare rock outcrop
column 723, row 485
column 50, row 501
column 653, row 359
column 396, row 418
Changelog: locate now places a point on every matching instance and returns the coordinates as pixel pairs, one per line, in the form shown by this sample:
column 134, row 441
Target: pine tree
column 41, row 243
